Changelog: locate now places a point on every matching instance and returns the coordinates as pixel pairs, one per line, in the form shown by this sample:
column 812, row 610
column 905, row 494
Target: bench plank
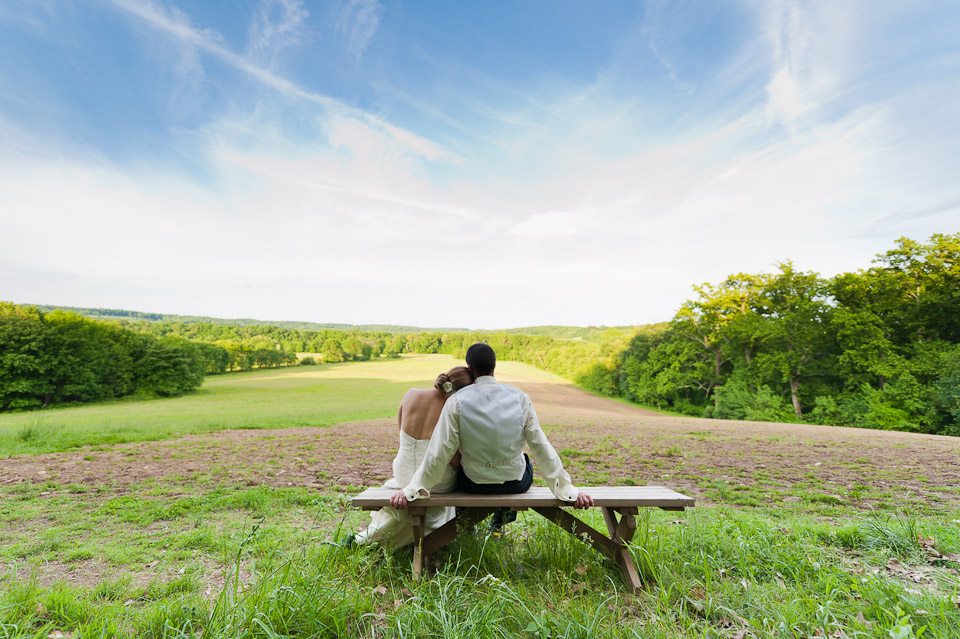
column 538, row 497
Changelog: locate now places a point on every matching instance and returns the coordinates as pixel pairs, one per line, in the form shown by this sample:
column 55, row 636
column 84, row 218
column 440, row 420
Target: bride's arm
column 444, row 444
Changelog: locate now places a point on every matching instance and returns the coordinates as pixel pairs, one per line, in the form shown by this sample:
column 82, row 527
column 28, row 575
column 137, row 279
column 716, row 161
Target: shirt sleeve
column 545, row 456
column 443, row 445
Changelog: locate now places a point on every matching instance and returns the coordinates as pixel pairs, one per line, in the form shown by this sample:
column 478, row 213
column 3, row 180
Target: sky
column 481, row 165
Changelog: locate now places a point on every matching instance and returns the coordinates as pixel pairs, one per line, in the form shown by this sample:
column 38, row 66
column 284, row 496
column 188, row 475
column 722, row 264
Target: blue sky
column 486, row 164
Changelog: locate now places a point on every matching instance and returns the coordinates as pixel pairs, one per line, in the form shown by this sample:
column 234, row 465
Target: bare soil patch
column 602, row 441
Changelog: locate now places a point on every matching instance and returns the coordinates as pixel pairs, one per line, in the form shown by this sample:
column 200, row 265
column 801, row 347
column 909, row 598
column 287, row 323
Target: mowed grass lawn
column 318, row 395
column 195, row 554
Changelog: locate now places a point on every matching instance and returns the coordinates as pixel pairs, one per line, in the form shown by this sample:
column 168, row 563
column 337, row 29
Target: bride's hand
column 399, row 500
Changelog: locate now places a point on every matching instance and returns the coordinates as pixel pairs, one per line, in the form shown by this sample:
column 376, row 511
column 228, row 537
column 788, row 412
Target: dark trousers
column 503, row 515
column 511, row 487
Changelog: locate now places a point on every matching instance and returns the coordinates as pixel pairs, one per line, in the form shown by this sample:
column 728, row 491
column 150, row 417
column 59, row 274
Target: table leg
column 580, row 530
column 625, row 531
column 610, row 519
column 627, row 525
column 416, row 516
column 613, row 547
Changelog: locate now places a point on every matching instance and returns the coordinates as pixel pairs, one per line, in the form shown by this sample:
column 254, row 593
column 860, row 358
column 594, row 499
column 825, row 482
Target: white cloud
column 813, row 53
column 784, row 97
column 573, row 209
column 324, row 235
column 357, row 24
column 553, row 223
column 277, row 24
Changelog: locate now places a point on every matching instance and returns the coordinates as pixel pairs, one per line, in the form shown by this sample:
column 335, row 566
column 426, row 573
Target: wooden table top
column 639, row 496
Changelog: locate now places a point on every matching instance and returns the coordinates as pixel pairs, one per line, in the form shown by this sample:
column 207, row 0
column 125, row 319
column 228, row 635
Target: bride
column 418, row 416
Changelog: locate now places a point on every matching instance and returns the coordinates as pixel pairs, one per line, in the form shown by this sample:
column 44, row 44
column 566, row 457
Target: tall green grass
column 720, row 573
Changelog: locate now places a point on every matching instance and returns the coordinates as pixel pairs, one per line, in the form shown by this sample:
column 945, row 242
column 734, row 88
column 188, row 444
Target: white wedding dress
column 394, row 527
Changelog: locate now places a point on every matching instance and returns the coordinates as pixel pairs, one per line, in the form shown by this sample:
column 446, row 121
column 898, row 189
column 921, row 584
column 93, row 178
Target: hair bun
column 442, row 379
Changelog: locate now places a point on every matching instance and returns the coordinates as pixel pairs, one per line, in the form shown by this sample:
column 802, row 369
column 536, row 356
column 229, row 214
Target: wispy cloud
column 277, row 24
column 177, row 25
column 812, row 54
column 174, row 23
column 357, row 25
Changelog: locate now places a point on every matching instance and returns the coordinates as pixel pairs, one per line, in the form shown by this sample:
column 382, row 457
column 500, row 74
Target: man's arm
column 548, row 461
column 444, row 444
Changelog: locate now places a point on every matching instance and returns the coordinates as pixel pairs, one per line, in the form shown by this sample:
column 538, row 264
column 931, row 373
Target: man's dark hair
column 481, row 359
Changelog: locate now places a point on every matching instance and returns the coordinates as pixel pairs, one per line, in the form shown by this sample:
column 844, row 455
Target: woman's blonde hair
column 458, row 377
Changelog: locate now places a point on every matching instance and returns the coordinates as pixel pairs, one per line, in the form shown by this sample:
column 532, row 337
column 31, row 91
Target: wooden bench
column 612, row 501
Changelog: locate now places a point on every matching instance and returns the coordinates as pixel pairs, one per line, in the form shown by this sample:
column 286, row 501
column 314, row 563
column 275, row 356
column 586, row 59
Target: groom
column 489, row 423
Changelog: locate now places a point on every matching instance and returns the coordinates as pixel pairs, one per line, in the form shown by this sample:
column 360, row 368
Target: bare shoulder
column 417, row 396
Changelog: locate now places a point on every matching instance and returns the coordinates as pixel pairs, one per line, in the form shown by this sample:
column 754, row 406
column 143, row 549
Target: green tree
column 396, row 345
column 80, row 358
column 170, row 366
column 796, row 315
column 216, row 359
column 352, row 347
column 331, row 351
column 24, row 361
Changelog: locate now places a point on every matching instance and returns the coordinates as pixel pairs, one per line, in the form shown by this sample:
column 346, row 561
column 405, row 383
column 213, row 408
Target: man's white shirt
column 498, row 420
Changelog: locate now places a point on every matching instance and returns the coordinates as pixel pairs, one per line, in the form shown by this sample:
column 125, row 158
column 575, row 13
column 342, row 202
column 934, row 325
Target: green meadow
column 318, row 395
column 194, row 555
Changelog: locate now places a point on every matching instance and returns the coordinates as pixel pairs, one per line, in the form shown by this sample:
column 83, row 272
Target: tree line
column 121, row 314
column 51, row 358
column 568, row 357
column 61, row 357
column 58, row 357
column 877, row 348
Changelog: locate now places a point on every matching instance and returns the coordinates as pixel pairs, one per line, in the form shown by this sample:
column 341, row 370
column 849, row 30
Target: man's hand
column 583, row 500
column 399, row 500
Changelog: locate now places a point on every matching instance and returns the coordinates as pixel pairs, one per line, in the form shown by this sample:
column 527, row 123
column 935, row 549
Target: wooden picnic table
column 612, row 501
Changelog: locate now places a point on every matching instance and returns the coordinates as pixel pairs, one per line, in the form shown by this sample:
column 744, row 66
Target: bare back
column 420, row 411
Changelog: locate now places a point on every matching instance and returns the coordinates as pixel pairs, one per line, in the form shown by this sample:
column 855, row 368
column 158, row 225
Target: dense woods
column 878, row 348
column 58, row 357
column 63, row 357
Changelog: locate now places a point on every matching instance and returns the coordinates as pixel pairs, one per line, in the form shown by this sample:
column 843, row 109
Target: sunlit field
column 318, row 395
column 182, row 518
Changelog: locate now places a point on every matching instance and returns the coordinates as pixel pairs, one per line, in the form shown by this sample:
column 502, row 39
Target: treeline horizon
column 876, row 348
column 60, row 357
column 571, row 357
column 557, row 330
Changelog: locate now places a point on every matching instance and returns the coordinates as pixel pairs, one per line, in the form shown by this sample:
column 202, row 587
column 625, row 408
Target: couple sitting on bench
column 467, row 435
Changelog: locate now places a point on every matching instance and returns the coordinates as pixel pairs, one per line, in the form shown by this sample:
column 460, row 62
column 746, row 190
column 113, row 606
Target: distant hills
column 559, row 332
column 140, row 316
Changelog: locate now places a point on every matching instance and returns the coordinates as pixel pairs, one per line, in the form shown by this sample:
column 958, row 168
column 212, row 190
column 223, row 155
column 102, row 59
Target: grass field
column 157, row 519
column 298, row 396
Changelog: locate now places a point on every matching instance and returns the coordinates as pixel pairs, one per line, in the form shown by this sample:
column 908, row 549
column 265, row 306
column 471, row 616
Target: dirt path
column 601, row 441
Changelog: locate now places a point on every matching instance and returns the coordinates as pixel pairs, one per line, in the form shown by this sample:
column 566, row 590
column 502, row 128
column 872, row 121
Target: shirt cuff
column 564, row 490
column 413, row 494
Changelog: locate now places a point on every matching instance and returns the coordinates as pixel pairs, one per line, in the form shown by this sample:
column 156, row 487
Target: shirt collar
column 485, row 379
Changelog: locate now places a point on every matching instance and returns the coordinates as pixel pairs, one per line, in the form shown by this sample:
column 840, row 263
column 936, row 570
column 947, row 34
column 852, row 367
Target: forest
column 876, row 348
column 60, row 357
